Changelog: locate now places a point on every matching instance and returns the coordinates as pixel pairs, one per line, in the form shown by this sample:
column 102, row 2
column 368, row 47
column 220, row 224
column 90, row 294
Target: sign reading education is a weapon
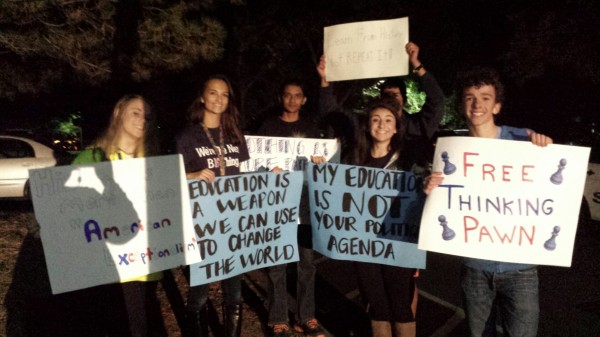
column 244, row 222
column 504, row 200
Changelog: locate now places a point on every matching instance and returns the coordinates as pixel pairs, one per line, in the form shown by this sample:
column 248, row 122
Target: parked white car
column 17, row 156
column 592, row 191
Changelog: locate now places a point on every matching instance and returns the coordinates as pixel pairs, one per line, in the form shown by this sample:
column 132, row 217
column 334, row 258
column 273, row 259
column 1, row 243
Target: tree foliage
column 43, row 42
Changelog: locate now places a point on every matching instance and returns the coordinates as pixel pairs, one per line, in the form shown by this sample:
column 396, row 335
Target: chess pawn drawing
column 550, row 244
column 448, row 234
column 557, row 177
column 449, row 168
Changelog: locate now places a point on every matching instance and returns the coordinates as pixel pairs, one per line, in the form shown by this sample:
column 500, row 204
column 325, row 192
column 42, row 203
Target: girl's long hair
column 365, row 140
column 108, row 141
column 230, row 119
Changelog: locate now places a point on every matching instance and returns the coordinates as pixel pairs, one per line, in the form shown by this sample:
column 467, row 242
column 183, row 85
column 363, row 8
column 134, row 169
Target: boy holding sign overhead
column 513, row 286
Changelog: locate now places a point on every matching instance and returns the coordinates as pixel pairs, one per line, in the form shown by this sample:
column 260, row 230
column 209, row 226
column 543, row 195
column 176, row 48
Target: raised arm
column 426, row 122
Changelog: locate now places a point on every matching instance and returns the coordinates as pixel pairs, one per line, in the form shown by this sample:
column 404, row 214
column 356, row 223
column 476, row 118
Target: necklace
column 219, row 149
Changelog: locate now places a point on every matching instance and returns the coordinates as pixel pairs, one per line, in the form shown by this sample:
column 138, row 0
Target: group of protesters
column 390, row 139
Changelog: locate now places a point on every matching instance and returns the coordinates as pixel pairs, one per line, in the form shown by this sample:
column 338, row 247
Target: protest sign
column 287, row 153
column 505, row 200
column 366, row 214
column 244, row 222
column 367, row 49
column 111, row 221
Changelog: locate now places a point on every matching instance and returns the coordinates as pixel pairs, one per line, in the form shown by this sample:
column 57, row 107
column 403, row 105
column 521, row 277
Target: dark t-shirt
column 302, row 128
column 199, row 153
column 379, row 162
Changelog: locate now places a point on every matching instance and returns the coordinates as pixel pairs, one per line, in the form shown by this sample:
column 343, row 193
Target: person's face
column 215, row 96
column 382, row 125
column 396, row 93
column 479, row 104
column 134, row 119
column 293, row 98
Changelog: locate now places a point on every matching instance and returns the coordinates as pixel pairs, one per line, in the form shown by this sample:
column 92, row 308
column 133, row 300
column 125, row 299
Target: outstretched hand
column 413, row 53
column 321, row 71
column 539, row 139
column 432, row 181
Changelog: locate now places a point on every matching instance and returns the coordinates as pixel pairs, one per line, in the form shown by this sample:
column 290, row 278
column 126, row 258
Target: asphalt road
column 569, row 297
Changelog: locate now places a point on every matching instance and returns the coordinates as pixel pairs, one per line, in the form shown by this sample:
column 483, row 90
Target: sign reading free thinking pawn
column 505, row 200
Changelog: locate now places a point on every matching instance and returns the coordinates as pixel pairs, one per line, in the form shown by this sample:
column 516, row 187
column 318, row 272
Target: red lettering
column 487, row 169
column 523, row 232
column 484, row 231
column 466, row 164
column 525, row 174
column 506, row 172
column 467, row 228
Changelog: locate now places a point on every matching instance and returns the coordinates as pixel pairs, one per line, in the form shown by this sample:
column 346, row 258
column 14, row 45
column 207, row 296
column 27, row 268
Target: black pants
column 143, row 309
column 388, row 291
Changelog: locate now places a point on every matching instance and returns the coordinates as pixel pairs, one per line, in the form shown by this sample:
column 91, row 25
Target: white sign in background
column 505, row 200
column 111, row 221
column 287, row 153
column 368, row 49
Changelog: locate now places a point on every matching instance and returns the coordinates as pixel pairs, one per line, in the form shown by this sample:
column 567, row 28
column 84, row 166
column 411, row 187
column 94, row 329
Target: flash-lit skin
column 216, row 100
column 382, row 127
column 293, row 99
column 133, row 126
column 479, row 106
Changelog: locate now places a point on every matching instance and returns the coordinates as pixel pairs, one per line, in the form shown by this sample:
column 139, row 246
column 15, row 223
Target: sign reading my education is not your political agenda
column 244, row 222
column 110, row 221
column 504, row 200
column 366, row 214
column 368, row 49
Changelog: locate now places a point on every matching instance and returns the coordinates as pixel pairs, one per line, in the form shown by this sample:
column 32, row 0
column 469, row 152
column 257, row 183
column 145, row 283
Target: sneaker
column 281, row 330
column 310, row 328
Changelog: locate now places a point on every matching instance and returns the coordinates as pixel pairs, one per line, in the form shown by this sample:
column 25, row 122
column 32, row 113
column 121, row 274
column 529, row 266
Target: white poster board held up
column 287, row 153
column 503, row 200
column 368, row 49
column 111, row 221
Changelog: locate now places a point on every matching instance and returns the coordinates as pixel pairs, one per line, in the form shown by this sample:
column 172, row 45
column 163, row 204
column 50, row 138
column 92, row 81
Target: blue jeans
column 305, row 286
column 516, row 296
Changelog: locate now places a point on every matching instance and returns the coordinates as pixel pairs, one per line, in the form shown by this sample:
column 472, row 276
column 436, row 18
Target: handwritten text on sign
column 366, row 214
column 243, row 223
column 368, row 49
column 287, row 153
column 105, row 222
column 505, row 200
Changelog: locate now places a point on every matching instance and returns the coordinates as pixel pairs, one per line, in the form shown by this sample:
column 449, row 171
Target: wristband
column 416, row 70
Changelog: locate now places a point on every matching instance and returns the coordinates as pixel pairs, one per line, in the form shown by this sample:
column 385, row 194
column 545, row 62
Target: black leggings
column 143, row 309
column 388, row 291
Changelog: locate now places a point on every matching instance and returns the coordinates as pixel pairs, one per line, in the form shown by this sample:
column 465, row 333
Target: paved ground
column 569, row 297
